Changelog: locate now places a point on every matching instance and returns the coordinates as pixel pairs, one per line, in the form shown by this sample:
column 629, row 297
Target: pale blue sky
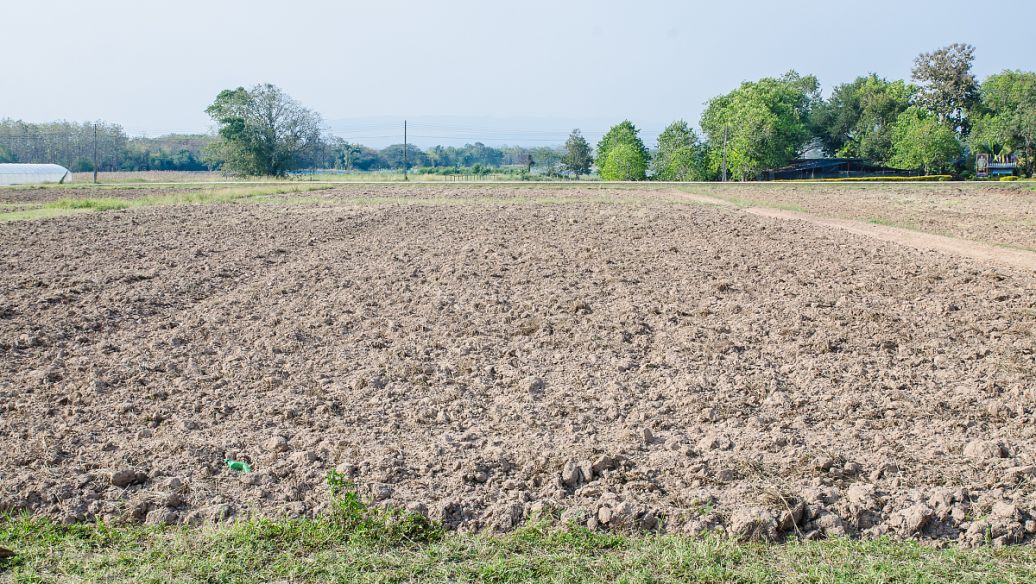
column 516, row 71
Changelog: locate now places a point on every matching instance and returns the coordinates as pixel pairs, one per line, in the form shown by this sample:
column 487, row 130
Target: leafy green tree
column 262, row 131
column 1008, row 116
column 5, row 155
column 82, row 165
column 856, row 121
column 679, row 155
column 948, row 88
column 687, row 164
column 359, row 157
column 625, row 162
column 921, row 141
column 578, row 157
column 766, row 121
column 990, row 133
column 547, row 159
column 622, row 133
column 436, row 156
column 393, row 156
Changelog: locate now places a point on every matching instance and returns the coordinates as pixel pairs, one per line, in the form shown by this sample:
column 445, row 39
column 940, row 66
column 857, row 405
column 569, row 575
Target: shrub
column 926, row 178
column 373, row 525
column 1009, row 178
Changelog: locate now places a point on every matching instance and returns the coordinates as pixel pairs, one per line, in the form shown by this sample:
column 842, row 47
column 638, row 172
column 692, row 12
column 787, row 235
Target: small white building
column 28, row 174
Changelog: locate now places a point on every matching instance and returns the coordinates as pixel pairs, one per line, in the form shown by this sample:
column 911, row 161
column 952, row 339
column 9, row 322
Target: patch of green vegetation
column 364, row 201
column 900, row 225
column 881, row 221
column 106, row 204
column 354, row 542
column 746, row 203
column 359, row 549
column 207, row 195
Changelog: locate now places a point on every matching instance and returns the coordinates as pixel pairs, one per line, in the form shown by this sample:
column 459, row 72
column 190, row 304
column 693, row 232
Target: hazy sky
column 513, row 71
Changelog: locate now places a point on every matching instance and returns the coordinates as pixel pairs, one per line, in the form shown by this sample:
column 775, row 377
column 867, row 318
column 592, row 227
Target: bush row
column 926, row 178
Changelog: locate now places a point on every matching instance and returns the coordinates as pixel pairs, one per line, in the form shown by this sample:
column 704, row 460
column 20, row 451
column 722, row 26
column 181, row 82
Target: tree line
column 71, row 145
column 934, row 123
column 81, row 146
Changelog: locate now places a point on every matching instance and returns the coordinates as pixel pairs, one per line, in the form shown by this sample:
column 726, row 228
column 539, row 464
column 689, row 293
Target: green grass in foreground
column 208, row 195
column 356, row 543
column 260, row 550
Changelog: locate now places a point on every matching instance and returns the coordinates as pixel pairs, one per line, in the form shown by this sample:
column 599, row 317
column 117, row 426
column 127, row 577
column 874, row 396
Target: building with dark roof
column 817, row 168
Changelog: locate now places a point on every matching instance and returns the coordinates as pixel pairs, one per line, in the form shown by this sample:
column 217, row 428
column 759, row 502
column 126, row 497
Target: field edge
column 541, row 550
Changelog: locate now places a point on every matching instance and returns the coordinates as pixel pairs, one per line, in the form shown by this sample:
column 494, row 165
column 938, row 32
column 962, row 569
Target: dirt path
column 1018, row 258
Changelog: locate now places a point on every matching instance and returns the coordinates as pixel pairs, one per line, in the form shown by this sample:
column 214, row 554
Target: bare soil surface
column 996, row 214
column 29, row 195
column 486, row 354
column 1019, row 258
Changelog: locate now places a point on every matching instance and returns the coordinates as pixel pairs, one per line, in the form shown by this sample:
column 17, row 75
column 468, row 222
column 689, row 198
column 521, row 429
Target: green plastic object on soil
column 239, row 465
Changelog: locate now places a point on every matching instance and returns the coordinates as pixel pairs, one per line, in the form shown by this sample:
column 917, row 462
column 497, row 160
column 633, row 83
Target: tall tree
column 856, row 121
column 577, row 157
column 948, row 88
column 1008, row 116
column 622, row 133
column 679, row 155
column 624, row 162
column 262, row 131
column 991, row 133
column 921, row 141
column 765, row 123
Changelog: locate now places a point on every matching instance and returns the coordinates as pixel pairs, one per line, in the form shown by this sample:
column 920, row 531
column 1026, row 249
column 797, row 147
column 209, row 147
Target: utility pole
column 725, row 137
column 405, row 148
column 95, row 152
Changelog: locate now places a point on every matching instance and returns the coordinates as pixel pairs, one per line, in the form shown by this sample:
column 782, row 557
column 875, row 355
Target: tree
column 921, row 141
column 766, row 123
column 547, row 159
column 64, row 143
column 625, row 162
column 578, row 157
column 679, row 155
column 622, row 133
column 1008, row 115
column 5, row 155
column 514, row 155
column 991, row 133
column 262, row 131
column 393, row 156
column 359, row 157
column 686, row 164
column 857, row 120
column 948, row 88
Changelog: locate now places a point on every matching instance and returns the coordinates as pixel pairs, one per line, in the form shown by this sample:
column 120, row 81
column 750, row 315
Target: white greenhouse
column 27, row 174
